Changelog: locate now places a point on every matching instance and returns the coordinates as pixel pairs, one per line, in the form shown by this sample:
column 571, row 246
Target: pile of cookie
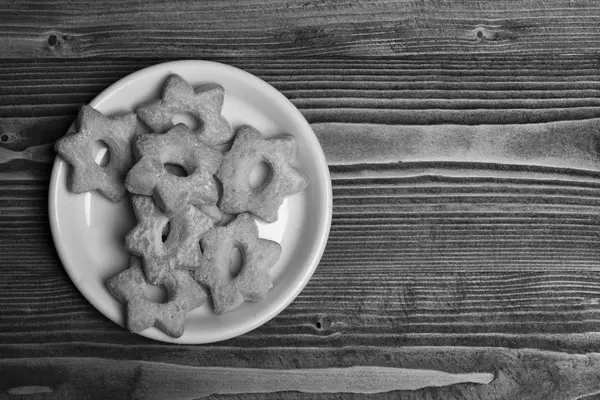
column 189, row 223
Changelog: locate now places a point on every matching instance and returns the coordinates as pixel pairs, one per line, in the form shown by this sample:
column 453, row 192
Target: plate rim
column 316, row 152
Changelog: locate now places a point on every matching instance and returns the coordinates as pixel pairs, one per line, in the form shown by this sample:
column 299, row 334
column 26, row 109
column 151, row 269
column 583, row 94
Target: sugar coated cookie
column 179, row 97
column 179, row 249
column 250, row 148
column 183, row 295
column 150, row 176
column 77, row 150
column 258, row 257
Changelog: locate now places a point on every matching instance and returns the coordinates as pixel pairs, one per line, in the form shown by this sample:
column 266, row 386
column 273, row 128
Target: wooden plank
column 294, row 28
column 496, row 258
column 490, row 374
column 187, row 382
column 568, row 145
column 439, row 251
column 504, row 299
column 338, row 98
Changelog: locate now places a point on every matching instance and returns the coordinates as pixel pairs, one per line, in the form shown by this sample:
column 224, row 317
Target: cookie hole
column 212, row 211
column 176, row 170
column 156, row 293
column 165, row 232
column 226, row 219
column 101, row 153
column 219, row 186
column 187, row 119
column 236, row 261
column 259, row 175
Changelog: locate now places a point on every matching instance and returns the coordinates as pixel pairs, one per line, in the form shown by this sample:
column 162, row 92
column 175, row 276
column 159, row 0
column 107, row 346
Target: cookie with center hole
column 249, row 149
column 179, row 99
column 166, row 244
column 77, row 149
column 150, row 175
column 184, row 294
column 253, row 280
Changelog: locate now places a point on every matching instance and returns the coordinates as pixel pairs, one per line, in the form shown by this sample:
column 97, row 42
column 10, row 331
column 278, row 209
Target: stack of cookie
column 190, row 222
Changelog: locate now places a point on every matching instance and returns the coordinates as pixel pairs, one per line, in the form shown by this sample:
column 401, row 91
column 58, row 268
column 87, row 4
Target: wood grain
column 158, row 380
column 435, row 251
column 526, row 374
column 295, row 28
column 462, row 140
column 38, row 101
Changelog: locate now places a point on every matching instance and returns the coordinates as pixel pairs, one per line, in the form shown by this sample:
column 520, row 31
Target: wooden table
column 463, row 143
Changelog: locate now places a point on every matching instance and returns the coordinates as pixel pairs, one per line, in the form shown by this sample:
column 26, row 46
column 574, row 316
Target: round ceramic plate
column 89, row 230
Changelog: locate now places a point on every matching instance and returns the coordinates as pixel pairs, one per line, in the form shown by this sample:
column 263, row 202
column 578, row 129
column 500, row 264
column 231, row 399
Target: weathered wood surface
column 134, row 28
column 462, row 139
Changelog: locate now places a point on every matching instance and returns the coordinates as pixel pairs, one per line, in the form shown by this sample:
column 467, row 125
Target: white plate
column 89, row 230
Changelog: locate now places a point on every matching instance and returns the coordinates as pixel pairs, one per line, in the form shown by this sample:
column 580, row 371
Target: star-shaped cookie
column 150, row 177
column 250, row 148
column 77, row 150
column 183, row 295
column 253, row 281
column 204, row 103
column 180, row 250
